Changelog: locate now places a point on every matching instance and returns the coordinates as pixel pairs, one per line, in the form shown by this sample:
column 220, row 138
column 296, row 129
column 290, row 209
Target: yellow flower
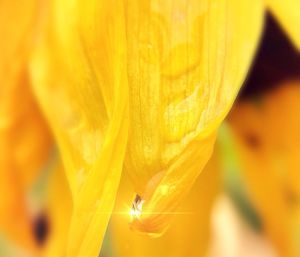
column 189, row 233
column 81, row 84
column 266, row 134
column 166, row 72
column 186, row 63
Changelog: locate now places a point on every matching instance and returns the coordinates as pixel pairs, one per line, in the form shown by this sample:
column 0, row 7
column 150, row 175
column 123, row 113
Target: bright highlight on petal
column 189, row 233
column 137, row 207
column 186, row 63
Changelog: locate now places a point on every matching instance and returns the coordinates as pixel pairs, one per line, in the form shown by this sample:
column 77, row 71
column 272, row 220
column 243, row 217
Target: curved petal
column 80, row 81
column 186, row 63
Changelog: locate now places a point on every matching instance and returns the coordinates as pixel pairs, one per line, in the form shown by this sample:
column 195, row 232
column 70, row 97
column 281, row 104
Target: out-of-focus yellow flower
column 80, row 81
column 25, row 140
column 25, row 144
column 186, row 63
column 189, row 233
column 267, row 138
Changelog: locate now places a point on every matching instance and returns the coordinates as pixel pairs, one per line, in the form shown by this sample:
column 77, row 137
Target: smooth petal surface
column 287, row 13
column 189, row 233
column 25, row 140
column 186, row 63
column 80, row 81
column 267, row 139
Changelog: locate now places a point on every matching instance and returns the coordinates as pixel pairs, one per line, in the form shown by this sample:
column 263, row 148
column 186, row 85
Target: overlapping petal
column 80, row 80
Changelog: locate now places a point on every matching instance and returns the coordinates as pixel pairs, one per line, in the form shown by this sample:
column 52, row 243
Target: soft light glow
column 136, row 209
column 135, row 213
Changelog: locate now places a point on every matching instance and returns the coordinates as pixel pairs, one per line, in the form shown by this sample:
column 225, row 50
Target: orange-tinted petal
column 24, row 137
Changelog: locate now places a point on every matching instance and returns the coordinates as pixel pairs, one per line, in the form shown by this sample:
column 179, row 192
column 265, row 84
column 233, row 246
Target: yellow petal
column 80, row 81
column 189, row 233
column 186, row 63
column 267, row 142
column 287, row 13
column 25, row 140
